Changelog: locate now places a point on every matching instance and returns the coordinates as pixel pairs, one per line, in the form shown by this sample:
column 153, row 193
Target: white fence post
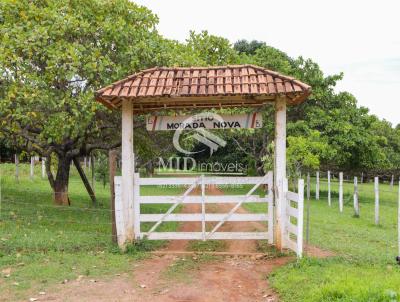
column 317, row 186
column 300, row 207
column 398, row 219
column 308, row 186
column 329, row 188
column 43, row 167
column 203, row 208
column 341, row 192
column 136, row 206
column 32, row 167
column 376, row 187
column 119, row 213
column 286, row 218
column 270, row 208
column 392, row 181
column 355, row 198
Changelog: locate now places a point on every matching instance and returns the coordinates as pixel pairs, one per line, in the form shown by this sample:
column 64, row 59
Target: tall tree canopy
column 53, row 55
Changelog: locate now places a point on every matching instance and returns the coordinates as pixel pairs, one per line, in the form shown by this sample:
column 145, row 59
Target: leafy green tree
column 213, row 50
column 53, row 55
column 306, row 152
column 244, row 46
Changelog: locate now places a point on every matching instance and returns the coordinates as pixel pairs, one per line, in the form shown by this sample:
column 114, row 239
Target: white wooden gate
column 203, row 199
column 293, row 223
column 294, row 218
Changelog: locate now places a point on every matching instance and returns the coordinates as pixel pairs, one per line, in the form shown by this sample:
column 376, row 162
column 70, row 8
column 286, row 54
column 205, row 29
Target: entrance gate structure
column 178, row 89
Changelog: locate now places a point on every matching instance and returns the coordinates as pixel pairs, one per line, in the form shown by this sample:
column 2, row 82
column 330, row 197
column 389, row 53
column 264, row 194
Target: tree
column 306, row 152
column 244, row 46
column 53, row 55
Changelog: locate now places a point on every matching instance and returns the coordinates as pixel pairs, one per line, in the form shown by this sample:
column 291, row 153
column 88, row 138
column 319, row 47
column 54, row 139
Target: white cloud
column 360, row 38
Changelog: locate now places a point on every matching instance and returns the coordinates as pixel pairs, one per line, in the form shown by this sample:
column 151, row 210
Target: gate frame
column 163, row 88
column 203, row 199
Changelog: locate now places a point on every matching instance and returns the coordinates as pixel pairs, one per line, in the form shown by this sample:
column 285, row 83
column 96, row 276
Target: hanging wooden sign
column 204, row 121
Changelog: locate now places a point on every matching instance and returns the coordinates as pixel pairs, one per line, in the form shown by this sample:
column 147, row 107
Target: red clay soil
column 227, row 279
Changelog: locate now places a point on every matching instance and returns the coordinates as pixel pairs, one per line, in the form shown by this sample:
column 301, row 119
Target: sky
column 359, row 38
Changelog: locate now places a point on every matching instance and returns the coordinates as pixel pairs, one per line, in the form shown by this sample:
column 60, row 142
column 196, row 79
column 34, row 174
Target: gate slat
column 207, row 217
column 292, row 211
column 199, row 235
column 292, row 228
column 207, row 199
column 207, row 180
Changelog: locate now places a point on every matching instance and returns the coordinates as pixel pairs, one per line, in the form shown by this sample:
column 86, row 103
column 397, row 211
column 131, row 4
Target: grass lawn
column 364, row 268
column 43, row 244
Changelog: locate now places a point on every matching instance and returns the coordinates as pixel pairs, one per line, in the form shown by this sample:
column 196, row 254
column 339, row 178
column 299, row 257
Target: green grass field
column 44, row 244
column 364, row 268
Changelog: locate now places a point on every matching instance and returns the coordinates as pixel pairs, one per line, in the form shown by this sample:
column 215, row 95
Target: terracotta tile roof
column 202, row 87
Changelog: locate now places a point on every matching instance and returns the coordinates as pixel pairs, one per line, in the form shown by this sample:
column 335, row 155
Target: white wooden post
column 355, row 198
column 308, row 210
column 85, row 162
column 270, row 208
column 376, row 187
column 317, row 186
column 17, row 167
column 341, row 192
column 300, row 207
column 280, row 171
column 119, row 212
column 43, row 167
column 32, row 167
column 127, row 166
column 392, row 181
column 398, row 219
column 329, row 188
column 136, row 206
column 203, row 208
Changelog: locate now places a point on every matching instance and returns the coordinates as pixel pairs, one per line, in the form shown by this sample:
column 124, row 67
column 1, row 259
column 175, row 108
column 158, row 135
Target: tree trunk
column 61, row 180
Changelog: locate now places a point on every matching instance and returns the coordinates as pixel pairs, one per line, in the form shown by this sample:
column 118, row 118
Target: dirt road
column 169, row 278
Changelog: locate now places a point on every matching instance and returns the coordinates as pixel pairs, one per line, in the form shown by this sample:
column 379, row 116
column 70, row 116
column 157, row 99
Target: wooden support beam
column 84, row 180
column 112, row 164
column 127, row 168
column 280, row 172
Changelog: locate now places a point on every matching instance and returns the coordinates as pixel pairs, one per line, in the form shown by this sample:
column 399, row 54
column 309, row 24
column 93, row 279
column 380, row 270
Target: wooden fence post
column 329, row 188
column 308, row 186
column 32, row 167
column 341, row 192
column 17, row 167
column 355, row 198
column 112, row 156
column 376, row 200
column 308, row 209
column 43, row 167
column 120, row 218
column 317, row 187
column 136, row 206
column 392, row 181
column 362, row 177
column 300, row 206
column 398, row 220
